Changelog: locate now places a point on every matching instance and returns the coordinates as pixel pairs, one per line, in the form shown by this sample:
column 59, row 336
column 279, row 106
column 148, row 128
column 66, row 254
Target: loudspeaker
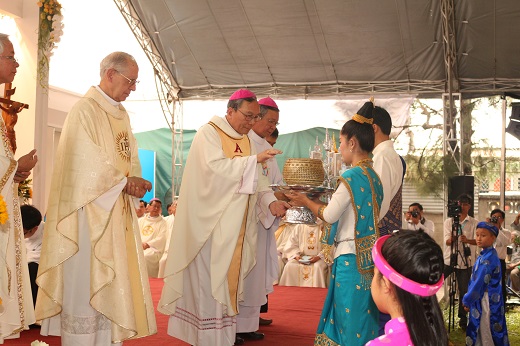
column 514, row 124
column 462, row 185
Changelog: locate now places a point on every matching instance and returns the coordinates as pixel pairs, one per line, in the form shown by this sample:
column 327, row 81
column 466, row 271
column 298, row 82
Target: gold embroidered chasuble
column 235, row 148
column 211, row 207
column 16, row 309
column 96, row 151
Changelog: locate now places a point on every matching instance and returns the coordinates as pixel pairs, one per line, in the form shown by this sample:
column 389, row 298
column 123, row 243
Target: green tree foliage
column 428, row 170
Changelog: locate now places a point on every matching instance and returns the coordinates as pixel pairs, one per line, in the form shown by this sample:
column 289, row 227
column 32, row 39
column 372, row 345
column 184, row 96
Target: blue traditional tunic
column 350, row 316
column 486, row 279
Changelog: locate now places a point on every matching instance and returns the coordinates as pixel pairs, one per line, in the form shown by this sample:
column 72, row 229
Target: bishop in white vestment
column 260, row 280
column 214, row 234
column 305, row 265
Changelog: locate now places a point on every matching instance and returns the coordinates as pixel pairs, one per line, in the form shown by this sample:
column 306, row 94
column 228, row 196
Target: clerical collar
column 108, row 98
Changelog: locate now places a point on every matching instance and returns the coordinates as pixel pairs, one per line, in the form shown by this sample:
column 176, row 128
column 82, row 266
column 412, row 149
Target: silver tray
column 312, row 191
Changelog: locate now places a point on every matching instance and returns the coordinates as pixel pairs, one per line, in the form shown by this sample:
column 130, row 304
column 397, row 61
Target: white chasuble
column 16, row 308
column 215, row 217
column 92, row 274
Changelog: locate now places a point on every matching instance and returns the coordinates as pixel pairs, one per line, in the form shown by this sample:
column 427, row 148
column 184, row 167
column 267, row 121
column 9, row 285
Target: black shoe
column 251, row 335
column 238, row 340
column 265, row 321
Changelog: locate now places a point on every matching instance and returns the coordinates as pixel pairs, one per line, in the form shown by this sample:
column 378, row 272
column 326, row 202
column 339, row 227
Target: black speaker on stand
column 514, row 124
column 462, row 185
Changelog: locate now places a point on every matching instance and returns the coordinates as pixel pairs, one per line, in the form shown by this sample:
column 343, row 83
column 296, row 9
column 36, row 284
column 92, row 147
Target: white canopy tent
column 206, row 49
column 325, row 48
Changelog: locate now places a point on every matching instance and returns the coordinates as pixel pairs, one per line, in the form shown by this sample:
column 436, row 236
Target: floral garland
column 49, row 34
column 24, row 191
column 4, row 216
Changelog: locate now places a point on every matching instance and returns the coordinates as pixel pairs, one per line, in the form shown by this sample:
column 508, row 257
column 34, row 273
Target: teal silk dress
column 350, row 316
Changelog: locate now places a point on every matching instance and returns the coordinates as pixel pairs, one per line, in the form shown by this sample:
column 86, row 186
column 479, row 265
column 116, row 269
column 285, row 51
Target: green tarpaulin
column 293, row 145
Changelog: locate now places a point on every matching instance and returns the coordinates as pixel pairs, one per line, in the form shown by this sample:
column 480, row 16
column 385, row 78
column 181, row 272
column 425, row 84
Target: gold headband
column 361, row 119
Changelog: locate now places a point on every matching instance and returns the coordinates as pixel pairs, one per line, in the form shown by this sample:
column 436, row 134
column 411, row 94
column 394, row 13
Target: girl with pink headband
column 408, row 273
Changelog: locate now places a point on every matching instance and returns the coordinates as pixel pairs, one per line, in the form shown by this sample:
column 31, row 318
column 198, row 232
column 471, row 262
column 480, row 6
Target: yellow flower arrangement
column 3, row 211
column 25, row 190
column 49, row 34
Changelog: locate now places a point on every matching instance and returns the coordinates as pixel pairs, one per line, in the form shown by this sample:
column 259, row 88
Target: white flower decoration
column 39, row 343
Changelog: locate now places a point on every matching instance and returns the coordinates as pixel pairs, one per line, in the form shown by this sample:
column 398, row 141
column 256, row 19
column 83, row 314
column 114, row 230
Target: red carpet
column 295, row 312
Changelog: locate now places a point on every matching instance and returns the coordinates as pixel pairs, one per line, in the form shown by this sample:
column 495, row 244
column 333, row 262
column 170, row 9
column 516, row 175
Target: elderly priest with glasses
column 92, row 272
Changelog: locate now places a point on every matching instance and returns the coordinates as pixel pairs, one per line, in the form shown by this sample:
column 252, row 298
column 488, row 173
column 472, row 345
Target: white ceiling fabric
column 326, row 48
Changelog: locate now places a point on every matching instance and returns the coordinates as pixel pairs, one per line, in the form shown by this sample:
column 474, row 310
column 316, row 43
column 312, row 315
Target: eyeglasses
column 250, row 117
column 10, row 57
column 273, row 122
column 130, row 81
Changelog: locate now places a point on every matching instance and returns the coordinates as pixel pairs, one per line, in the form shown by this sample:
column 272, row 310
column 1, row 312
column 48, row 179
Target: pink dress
column 396, row 334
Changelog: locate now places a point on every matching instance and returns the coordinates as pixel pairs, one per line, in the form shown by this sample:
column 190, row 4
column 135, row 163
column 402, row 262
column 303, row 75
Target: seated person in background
column 416, row 221
column 515, row 225
column 514, row 263
column 281, row 236
column 154, row 230
column 306, row 265
column 33, row 234
column 142, row 208
column 172, row 209
column 271, row 139
column 497, row 217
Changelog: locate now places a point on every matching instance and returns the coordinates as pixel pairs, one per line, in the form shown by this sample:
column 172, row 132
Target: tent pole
column 173, row 153
column 503, row 157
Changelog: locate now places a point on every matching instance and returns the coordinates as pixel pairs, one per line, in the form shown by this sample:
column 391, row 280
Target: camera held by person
column 416, row 221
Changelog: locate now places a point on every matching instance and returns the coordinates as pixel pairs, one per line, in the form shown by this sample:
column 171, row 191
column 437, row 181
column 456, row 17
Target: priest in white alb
column 306, row 265
column 154, row 235
column 16, row 306
column 259, row 283
column 94, row 288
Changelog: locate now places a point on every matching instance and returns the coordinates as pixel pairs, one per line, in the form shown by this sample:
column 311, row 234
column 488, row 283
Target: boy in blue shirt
column 487, row 322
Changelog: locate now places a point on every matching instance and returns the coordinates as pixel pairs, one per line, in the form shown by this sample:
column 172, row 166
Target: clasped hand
column 137, row 187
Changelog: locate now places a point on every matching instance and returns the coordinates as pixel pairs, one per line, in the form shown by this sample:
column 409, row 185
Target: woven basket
column 303, row 172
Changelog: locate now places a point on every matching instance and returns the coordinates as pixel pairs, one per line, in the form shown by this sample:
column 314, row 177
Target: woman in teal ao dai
column 350, row 316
